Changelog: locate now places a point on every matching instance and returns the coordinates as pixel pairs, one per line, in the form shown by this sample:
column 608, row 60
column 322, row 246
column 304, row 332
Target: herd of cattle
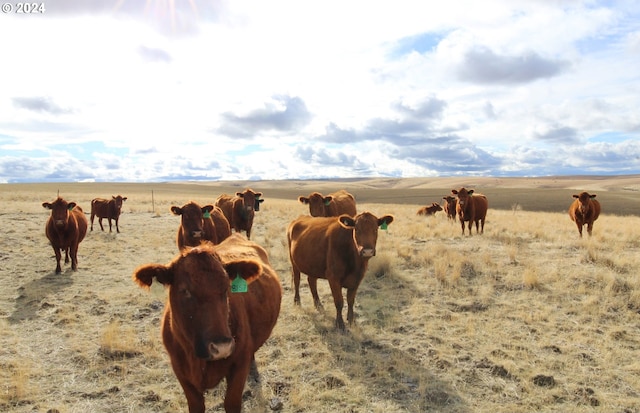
column 224, row 296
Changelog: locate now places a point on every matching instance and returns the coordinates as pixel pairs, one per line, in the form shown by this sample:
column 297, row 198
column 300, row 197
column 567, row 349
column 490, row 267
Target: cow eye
column 185, row 293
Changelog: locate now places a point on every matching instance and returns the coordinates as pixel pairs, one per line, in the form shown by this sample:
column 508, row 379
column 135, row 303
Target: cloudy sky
column 157, row 90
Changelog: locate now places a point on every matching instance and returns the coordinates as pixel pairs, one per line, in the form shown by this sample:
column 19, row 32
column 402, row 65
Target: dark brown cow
column 471, row 207
column 239, row 209
column 109, row 209
column 213, row 321
column 332, row 205
column 584, row 210
column 199, row 224
column 450, row 206
column 337, row 249
column 430, row 210
column 65, row 228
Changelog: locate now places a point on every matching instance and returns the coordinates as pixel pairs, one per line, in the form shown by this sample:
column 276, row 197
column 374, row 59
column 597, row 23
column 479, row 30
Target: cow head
column 317, row 203
column 192, row 218
column 463, row 195
column 59, row 211
column 118, row 200
column 365, row 231
column 199, row 289
column 435, row 207
column 250, row 199
column 584, row 199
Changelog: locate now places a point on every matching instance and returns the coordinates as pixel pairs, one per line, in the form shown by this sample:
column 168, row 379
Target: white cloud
column 230, row 90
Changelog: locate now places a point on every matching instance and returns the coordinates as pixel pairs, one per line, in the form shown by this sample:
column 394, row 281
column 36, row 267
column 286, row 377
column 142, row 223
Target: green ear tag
column 383, row 226
column 239, row 285
column 207, row 214
column 70, row 208
column 327, row 203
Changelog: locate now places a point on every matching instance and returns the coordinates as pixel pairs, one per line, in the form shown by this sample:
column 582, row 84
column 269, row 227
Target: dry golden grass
column 526, row 317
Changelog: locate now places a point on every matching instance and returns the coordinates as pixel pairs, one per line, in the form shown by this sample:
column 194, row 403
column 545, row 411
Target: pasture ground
column 526, row 317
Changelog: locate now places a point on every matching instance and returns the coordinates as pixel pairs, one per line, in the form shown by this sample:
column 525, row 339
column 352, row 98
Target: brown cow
column 450, row 206
column 239, row 209
column 109, row 209
column 430, row 210
column 471, row 207
column 199, row 224
column 337, row 249
column 332, row 205
column 65, row 228
column 584, row 210
column 212, row 326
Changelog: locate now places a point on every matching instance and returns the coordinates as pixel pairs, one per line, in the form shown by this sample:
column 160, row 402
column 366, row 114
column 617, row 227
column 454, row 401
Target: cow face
column 585, row 200
column 59, row 211
column 249, row 199
column 365, row 231
column 118, row 200
column 317, row 204
column 463, row 195
column 199, row 290
column 192, row 219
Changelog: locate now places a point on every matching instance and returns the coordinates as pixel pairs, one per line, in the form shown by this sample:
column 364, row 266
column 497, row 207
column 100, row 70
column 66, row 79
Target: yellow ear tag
column 383, row 226
column 207, row 214
column 239, row 285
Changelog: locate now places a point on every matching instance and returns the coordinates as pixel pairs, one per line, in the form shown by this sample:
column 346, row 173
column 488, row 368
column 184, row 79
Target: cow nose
column 196, row 234
column 367, row 252
column 59, row 223
column 221, row 349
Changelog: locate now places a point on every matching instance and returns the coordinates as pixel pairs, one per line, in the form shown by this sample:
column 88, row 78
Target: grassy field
column 526, row 317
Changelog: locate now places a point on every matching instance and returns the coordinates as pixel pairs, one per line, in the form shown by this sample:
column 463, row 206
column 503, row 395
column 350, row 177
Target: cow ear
column 258, row 194
column 143, row 275
column 385, row 220
column 207, row 208
column 71, row 205
column 113, row 197
column 576, row 196
column 470, row 192
column 346, row 221
column 302, row 199
column 593, row 196
column 240, row 194
column 124, row 199
column 246, row 269
column 46, row 205
column 454, row 191
column 176, row 210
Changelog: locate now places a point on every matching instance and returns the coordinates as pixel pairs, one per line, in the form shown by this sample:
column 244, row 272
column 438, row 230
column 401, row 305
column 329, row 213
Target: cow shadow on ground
column 32, row 296
column 392, row 377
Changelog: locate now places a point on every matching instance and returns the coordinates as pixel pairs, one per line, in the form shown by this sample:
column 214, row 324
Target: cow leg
column 336, row 292
column 66, row 255
column 579, row 227
column 589, row 227
column 462, row 224
column 470, row 226
column 74, row 257
column 235, row 386
column 295, row 275
column 313, row 286
column 254, row 374
column 482, row 226
column 58, row 258
column 92, row 216
column 351, row 299
column 109, row 219
column 195, row 398
column 100, row 222
column 118, row 228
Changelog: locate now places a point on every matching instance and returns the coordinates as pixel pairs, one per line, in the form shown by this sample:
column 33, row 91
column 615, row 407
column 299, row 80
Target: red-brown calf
column 332, row 205
column 199, row 224
column 430, row 210
column 107, row 208
column 224, row 301
column 584, row 210
column 240, row 209
column 337, row 249
column 471, row 207
column 65, row 229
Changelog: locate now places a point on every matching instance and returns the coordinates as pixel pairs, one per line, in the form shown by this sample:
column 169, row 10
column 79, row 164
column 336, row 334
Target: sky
column 168, row 90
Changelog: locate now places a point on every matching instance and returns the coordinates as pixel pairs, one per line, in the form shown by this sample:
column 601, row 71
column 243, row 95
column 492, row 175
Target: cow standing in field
column 199, row 224
column 429, row 210
column 223, row 303
column 240, row 209
column 584, row 210
column 109, row 209
column 450, row 206
column 471, row 207
column 332, row 205
column 337, row 249
column 65, row 229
